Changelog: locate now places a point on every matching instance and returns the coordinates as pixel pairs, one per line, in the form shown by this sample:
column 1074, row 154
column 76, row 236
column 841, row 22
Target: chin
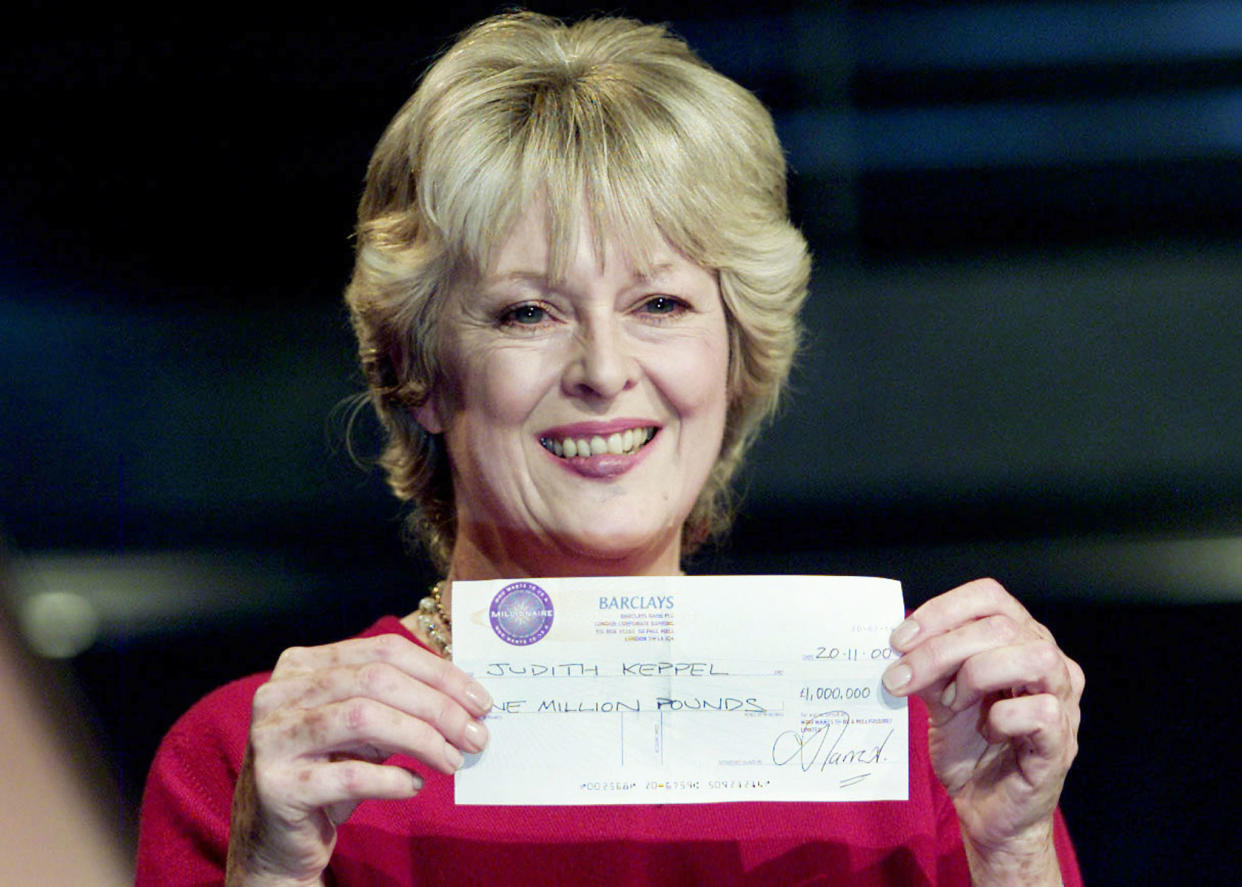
column 625, row 548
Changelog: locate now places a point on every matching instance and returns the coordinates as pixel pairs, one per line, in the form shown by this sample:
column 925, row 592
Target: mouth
column 619, row 443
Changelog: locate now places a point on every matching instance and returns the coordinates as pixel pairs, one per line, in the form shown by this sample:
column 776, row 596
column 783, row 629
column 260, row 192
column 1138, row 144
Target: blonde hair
column 606, row 116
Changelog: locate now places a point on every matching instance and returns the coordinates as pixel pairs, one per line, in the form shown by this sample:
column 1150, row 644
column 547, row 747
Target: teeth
column 616, row 444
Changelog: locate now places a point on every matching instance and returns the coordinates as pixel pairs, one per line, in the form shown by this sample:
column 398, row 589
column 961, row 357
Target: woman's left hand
column 1003, row 706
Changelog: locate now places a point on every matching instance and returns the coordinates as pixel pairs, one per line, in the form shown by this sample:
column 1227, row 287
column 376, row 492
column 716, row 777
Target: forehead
column 535, row 245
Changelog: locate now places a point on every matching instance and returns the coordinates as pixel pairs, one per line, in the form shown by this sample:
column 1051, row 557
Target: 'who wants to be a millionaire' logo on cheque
column 521, row 613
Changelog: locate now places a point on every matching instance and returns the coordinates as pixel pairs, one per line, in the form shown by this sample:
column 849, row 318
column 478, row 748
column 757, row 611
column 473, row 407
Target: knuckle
column 991, row 591
column 387, row 647
column 266, row 700
column 375, row 678
column 292, row 658
column 1047, row 708
column 1000, row 629
column 1045, row 656
column 1078, row 678
column 350, row 774
column 358, row 715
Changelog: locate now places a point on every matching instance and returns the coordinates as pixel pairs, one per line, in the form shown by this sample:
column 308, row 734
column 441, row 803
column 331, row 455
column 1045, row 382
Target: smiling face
column 581, row 416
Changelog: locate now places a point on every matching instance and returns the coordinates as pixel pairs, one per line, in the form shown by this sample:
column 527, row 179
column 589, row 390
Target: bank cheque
column 685, row 689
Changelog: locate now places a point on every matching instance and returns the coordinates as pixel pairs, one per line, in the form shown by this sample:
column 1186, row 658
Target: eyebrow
column 658, row 270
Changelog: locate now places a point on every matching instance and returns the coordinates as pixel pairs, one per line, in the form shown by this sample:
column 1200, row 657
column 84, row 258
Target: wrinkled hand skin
column 321, row 731
column 1003, row 703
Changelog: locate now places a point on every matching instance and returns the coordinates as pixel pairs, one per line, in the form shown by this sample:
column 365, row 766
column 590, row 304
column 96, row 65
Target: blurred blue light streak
column 1204, row 124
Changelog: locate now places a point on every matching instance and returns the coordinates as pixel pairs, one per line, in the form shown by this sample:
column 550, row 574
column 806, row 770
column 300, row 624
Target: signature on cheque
column 821, row 742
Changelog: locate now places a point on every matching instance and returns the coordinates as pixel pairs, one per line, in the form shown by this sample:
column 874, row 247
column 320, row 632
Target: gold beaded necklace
column 435, row 621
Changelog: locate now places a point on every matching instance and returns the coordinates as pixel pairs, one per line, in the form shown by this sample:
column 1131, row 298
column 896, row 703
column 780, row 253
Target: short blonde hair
column 606, row 116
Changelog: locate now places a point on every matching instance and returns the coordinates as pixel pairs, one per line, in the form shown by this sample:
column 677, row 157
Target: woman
column 576, row 293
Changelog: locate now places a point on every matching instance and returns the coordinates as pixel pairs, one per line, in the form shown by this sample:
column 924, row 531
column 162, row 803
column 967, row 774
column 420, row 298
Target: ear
column 427, row 414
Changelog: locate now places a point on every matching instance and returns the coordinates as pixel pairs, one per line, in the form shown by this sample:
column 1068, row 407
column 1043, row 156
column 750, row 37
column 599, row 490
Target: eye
column 525, row 315
column 663, row 306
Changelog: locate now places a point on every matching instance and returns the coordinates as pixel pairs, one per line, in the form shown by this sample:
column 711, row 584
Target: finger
column 356, row 727
column 953, row 609
column 1037, row 729
column 933, row 663
column 380, row 681
column 398, row 652
column 1078, row 680
column 1023, row 669
column 342, row 785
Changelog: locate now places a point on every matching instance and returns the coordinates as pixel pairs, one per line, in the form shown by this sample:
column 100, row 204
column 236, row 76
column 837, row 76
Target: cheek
column 696, row 377
column 503, row 385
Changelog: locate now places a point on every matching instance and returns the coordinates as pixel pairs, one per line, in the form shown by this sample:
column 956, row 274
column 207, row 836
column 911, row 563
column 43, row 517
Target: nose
column 602, row 365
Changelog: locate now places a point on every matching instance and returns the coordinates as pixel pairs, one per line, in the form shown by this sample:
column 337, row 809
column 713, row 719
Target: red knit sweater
column 427, row 840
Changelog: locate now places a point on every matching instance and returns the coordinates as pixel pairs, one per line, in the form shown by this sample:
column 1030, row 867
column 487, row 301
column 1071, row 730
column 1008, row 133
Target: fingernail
column 949, row 694
column 455, row 757
column 480, row 698
column 903, row 634
column 476, row 736
column 897, row 677
column 418, row 782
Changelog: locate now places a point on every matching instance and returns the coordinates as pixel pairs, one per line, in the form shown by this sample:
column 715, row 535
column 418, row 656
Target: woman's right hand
column 320, row 731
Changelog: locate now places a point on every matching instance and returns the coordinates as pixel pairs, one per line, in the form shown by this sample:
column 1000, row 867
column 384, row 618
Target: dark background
column 1022, row 357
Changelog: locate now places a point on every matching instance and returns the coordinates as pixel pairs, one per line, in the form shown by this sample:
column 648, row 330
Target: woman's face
column 581, row 416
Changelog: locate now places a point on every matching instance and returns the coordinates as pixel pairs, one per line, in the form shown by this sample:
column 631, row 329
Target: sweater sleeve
column 186, row 807
column 1070, row 874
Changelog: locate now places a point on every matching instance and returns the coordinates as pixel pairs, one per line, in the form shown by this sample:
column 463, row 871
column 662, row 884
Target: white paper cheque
column 683, row 689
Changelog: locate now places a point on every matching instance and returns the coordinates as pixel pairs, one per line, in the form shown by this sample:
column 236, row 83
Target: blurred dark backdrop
column 1023, row 356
